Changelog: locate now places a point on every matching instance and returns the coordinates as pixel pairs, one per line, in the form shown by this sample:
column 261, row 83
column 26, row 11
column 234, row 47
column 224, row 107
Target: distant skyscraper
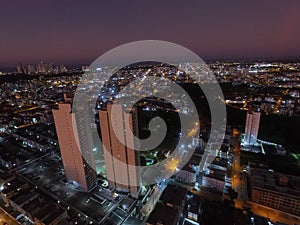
column 119, row 175
column 43, row 68
column 78, row 160
column 20, row 69
column 30, row 69
column 84, row 68
column 252, row 127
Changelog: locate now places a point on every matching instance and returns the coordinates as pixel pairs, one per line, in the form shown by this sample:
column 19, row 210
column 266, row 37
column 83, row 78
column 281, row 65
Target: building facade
column 286, row 202
column 251, row 128
column 75, row 145
column 118, row 155
column 275, row 190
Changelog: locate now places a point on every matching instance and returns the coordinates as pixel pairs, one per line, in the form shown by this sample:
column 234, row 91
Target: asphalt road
column 238, row 179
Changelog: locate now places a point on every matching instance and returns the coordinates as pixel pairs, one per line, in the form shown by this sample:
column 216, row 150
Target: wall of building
column 277, row 200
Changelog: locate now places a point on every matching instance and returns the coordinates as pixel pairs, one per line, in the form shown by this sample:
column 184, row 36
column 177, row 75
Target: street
column 5, row 218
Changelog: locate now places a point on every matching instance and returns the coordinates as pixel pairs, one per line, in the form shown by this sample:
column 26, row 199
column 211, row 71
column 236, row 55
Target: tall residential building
column 117, row 155
column 252, row 127
column 75, row 145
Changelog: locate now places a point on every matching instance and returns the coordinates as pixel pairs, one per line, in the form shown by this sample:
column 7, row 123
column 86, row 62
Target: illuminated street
column 238, row 179
column 6, row 218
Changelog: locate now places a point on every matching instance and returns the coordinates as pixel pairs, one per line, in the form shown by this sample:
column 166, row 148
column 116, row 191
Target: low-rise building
column 194, row 209
column 214, row 177
column 189, row 173
column 275, row 190
column 12, row 188
column 174, row 196
column 164, row 215
column 169, row 207
column 37, row 207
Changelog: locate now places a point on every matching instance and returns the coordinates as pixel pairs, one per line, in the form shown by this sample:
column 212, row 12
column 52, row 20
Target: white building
column 252, row 127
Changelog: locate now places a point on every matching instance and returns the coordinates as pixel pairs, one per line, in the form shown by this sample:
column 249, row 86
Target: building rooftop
column 23, row 196
column 277, row 182
column 5, row 175
column 220, row 162
column 196, row 204
column 217, row 176
column 194, row 161
column 44, row 209
column 163, row 214
column 252, row 148
column 174, row 195
column 13, row 185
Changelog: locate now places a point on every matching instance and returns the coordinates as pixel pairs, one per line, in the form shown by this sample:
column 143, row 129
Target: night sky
column 71, row 32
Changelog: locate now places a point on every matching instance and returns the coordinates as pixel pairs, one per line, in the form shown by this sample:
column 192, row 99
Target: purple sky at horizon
column 72, row 32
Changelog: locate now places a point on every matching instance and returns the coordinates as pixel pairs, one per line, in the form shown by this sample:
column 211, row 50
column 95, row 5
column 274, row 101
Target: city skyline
column 150, row 112
column 40, row 160
column 78, row 33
